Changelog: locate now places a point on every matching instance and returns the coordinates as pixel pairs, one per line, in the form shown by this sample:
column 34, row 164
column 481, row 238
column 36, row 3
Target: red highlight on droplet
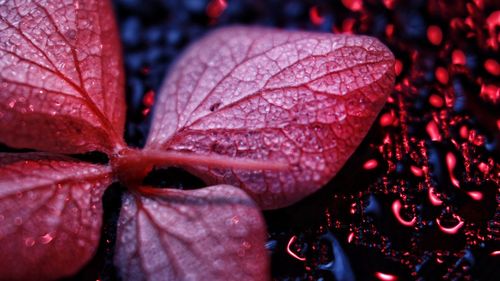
column 290, row 252
column 353, row 5
column 387, row 119
column 149, row 98
column 385, row 277
column 148, row 101
column 492, row 22
column 451, row 161
column 416, row 171
column 350, row 237
column 434, row 34
column 483, row 167
column 458, row 57
column 370, row 164
column 216, row 7
column 348, row 25
column 464, row 132
column 442, row 75
column 436, row 101
column 315, row 16
column 398, row 67
column 492, row 66
column 451, row 230
column 433, row 197
column 490, row 92
column 476, row 195
column 396, row 208
column 389, row 30
column 433, row 131
column 389, row 4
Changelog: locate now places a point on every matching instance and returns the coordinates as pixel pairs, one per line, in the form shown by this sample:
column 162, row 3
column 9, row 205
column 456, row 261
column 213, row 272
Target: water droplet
column 29, row 242
column 235, row 220
column 12, row 103
column 247, row 245
column 47, row 238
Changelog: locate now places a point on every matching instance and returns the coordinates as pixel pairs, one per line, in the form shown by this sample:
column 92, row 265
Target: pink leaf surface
column 61, row 78
column 214, row 233
column 303, row 98
column 50, row 214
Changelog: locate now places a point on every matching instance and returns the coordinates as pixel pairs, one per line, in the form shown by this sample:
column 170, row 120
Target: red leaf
column 61, row 79
column 304, row 98
column 214, row 233
column 50, row 214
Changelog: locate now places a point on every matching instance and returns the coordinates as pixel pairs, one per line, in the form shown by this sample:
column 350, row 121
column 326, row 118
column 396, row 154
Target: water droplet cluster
column 419, row 199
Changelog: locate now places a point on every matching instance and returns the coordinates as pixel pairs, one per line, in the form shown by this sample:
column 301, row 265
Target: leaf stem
column 213, row 161
column 131, row 166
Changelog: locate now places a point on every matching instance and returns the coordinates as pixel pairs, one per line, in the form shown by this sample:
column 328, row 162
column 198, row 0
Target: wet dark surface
column 419, row 198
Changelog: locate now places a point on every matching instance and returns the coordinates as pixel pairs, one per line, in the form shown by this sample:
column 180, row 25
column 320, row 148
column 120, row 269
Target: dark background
column 348, row 229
